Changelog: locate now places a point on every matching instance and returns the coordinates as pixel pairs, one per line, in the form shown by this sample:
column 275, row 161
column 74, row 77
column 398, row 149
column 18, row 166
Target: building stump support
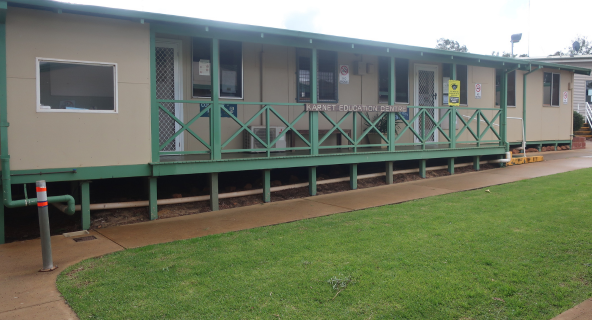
column 312, row 181
column 451, row 166
column 476, row 164
column 422, row 168
column 152, row 199
column 267, row 185
column 85, row 204
column 353, row 176
column 214, row 203
column 389, row 172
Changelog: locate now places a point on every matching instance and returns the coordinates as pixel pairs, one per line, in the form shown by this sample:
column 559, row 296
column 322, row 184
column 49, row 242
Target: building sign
column 477, row 91
column 564, row 97
column 204, row 67
column 354, row 108
column 344, row 74
column 230, row 107
column 454, row 93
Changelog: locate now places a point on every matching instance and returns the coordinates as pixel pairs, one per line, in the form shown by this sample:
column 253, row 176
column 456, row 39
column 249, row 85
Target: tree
column 505, row 54
column 450, row 45
column 585, row 46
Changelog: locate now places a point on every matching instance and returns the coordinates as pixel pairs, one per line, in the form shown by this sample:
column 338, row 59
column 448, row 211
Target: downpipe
column 69, row 209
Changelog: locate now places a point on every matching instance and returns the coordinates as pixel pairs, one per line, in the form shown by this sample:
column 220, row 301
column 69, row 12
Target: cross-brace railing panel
column 354, row 137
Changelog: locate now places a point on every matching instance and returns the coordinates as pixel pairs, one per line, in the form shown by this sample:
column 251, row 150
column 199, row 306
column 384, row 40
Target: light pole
column 515, row 38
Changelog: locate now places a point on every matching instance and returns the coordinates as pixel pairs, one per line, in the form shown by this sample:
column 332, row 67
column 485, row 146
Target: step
column 584, row 135
column 579, row 132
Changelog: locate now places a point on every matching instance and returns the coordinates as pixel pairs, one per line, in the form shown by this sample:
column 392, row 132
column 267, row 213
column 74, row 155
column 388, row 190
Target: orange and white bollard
column 44, row 227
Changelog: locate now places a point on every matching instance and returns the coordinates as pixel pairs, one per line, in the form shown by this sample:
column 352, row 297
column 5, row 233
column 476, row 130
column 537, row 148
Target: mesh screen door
column 426, row 96
column 168, row 87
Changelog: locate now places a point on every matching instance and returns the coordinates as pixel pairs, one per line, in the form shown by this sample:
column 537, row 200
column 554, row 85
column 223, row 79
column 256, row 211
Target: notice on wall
column 564, row 97
column 477, row 91
column 344, row 74
column 232, row 108
column 454, row 93
column 204, row 67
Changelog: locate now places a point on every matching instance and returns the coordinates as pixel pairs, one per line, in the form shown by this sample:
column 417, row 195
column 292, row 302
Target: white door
column 426, row 95
column 169, row 87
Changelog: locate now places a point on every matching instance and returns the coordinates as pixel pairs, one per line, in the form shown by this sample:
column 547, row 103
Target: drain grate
column 87, row 238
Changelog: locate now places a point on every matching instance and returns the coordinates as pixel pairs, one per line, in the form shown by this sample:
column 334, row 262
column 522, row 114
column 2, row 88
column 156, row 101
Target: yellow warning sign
column 454, row 93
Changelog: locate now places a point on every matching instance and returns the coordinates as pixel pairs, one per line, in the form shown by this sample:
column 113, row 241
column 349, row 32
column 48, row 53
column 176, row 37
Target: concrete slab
column 378, row 196
column 582, row 311
column 468, row 181
column 55, row 310
column 24, row 286
column 545, row 168
column 199, row 225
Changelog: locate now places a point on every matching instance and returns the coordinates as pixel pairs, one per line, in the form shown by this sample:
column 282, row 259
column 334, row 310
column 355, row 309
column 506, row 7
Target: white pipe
column 145, row 203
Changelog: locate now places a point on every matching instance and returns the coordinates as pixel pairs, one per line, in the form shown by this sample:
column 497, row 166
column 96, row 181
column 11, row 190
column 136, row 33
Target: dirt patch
column 22, row 227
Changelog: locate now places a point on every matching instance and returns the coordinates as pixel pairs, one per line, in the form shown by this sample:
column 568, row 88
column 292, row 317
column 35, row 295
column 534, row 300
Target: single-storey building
column 582, row 86
column 91, row 93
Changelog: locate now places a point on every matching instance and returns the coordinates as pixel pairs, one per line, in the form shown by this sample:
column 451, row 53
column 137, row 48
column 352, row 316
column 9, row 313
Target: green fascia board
column 83, row 173
column 176, row 168
column 265, row 31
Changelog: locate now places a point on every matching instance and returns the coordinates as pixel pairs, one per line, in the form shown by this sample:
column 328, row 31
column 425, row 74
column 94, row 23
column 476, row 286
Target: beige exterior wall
column 66, row 140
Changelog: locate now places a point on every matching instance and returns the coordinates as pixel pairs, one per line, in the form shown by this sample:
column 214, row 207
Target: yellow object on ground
column 522, row 160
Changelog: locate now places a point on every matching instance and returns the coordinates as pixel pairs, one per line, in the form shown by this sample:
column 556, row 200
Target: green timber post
column 153, row 198
column 389, row 172
column 476, row 164
column 214, row 204
column 266, row 185
column 3, row 106
column 503, row 106
column 353, row 176
column 215, row 122
column 422, row 168
column 452, row 125
column 392, row 120
column 313, row 124
column 85, row 204
column 312, row 181
column 392, row 117
column 154, row 106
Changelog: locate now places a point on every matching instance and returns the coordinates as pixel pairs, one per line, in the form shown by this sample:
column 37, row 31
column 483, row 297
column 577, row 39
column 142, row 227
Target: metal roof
column 462, row 57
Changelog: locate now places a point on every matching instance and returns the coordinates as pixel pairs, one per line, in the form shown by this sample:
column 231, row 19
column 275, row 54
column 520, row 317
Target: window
column 76, row 86
column 326, row 76
column 461, row 75
column 551, row 89
column 511, row 85
column 588, row 92
column 511, row 100
column 401, row 80
column 231, row 69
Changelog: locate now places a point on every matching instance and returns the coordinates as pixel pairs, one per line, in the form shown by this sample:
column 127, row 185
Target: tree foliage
column 450, row 45
column 585, row 48
column 578, row 121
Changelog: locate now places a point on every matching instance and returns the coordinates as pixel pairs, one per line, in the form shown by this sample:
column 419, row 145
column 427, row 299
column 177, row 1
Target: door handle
column 435, row 96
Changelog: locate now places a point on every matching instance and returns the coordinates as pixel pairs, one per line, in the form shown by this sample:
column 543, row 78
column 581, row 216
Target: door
column 168, row 86
column 426, row 95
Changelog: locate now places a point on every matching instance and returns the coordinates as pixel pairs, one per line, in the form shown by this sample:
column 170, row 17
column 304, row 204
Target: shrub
column 578, row 121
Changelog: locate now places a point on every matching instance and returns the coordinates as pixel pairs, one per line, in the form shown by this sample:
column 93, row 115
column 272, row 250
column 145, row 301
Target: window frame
column 551, row 88
column 38, row 108
column 586, row 95
column 242, row 77
column 335, row 75
column 408, row 86
column 387, row 61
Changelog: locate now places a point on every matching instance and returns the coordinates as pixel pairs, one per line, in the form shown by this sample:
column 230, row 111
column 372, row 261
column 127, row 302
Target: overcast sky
column 483, row 26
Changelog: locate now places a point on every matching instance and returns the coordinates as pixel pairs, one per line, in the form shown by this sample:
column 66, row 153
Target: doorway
column 169, row 87
column 426, row 95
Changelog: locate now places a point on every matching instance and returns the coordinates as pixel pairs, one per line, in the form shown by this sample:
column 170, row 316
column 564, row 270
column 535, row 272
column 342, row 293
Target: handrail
column 429, row 126
column 588, row 113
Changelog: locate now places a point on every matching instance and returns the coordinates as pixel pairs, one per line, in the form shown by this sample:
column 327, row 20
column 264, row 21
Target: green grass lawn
column 521, row 251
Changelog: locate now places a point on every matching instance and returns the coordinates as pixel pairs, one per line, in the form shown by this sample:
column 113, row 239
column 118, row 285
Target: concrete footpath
column 26, row 293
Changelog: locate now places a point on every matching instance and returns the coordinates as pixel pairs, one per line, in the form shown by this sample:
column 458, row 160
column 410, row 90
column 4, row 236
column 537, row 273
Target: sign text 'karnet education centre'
column 354, row 108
